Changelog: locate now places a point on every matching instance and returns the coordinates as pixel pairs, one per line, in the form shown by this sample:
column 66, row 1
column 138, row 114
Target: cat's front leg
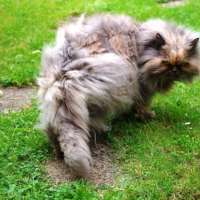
column 145, row 115
column 141, row 111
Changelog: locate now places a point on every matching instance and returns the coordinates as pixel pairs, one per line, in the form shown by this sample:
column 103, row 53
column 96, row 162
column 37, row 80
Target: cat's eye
column 166, row 63
column 183, row 64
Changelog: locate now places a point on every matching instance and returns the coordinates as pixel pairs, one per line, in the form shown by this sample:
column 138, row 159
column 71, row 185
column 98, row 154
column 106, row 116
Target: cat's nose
column 174, row 69
column 175, row 73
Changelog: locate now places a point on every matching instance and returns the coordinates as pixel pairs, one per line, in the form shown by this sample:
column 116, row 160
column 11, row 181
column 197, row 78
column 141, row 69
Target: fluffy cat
column 105, row 64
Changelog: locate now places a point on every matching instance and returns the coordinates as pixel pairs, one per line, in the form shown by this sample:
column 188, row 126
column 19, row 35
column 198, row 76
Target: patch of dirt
column 102, row 170
column 174, row 3
column 14, row 98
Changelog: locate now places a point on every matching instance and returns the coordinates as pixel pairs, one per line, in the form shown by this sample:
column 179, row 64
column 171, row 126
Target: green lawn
column 27, row 25
column 158, row 159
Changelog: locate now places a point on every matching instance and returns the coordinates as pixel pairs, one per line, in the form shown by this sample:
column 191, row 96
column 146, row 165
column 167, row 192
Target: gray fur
column 93, row 72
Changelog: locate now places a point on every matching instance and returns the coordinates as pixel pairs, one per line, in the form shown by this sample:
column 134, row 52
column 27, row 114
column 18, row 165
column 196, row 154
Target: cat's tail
column 63, row 107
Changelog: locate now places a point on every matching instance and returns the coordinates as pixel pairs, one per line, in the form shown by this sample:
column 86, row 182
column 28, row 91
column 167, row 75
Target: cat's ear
column 194, row 42
column 159, row 40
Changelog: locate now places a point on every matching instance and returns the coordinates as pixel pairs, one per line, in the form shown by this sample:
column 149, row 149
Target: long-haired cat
column 105, row 64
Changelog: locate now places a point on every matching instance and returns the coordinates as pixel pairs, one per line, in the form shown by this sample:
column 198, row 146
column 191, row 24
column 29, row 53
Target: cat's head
column 167, row 52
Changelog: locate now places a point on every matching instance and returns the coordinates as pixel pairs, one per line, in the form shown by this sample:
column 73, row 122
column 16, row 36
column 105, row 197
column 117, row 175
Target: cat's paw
column 107, row 128
column 146, row 115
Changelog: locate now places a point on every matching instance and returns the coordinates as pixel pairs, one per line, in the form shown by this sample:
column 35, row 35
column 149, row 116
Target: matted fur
column 103, row 65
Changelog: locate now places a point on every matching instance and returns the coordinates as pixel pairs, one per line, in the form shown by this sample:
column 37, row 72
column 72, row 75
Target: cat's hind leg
column 53, row 138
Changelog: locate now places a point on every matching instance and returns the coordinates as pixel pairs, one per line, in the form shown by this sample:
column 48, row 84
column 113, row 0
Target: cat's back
column 98, row 34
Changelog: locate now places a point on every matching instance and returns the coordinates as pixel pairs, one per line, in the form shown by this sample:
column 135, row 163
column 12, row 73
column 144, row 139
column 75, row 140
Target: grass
column 159, row 159
column 28, row 25
column 165, row 152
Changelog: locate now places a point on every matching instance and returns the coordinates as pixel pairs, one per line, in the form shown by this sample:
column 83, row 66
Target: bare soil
column 14, row 98
column 102, row 169
column 174, row 3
